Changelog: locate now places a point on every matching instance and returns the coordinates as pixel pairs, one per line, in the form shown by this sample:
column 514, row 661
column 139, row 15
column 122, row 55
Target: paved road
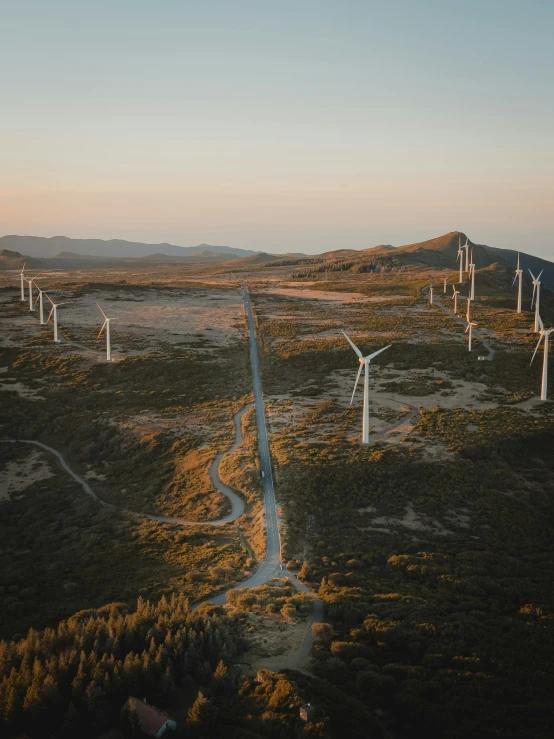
column 270, row 565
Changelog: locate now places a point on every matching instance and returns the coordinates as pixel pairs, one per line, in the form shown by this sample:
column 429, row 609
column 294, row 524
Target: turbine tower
column 364, row 364
column 544, row 335
column 460, row 258
column 470, row 324
column 472, row 273
column 54, row 312
column 431, row 295
column 536, row 297
column 519, row 275
column 40, row 302
column 445, row 281
column 107, row 327
column 455, row 298
column 31, row 305
column 22, row 275
column 466, row 247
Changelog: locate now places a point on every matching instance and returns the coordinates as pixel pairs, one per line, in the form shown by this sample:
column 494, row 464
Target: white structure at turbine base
column 536, row 297
column 519, row 276
column 545, row 336
column 22, row 275
column 106, row 326
column 364, row 364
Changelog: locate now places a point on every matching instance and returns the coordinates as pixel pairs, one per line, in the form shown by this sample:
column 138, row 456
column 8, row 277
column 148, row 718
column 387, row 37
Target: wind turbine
column 107, row 327
column 466, row 247
column 460, row 258
column 431, row 295
column 39, row 300
column 54, row 312
column 536, row 297
column 519, row 274
column 364, row 363
column 31, row 306
column 455, row 298
column 544, row 335
column 22, row 275
column 472, row 273
column 470, row 323
column 445, row 280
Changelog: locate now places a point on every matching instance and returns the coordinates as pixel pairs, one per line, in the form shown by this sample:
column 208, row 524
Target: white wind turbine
column 364, row 363
column 460, row 258
column 466, row 247
column 470, row 324
column 54, row 312
column 431, row 294
column 519, row 275
column 455, row 298
column 536, row 297
column 107, row 327
column 545, row 334
column 22, row 275
column 472, row 273
column 40, row 302
column 31, row 304
column 445, row 280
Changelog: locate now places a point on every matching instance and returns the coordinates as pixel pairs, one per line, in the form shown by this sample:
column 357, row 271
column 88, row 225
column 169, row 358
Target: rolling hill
column 39, row 246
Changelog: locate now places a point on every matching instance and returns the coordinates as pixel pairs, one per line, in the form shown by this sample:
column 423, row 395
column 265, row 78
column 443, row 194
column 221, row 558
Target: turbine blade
column 539, row 275
column 103, row 327
column 514, row 282
column 101, row 311
column 50, row 314
column 518, row 260
column 356, row 383
column 534, row 291
column 358, row 352
column 536, row 350
column 541, row 324
column 532, row 275
column 370, row 356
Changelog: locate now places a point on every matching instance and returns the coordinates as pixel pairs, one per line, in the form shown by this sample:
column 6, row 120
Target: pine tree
column 202, row 711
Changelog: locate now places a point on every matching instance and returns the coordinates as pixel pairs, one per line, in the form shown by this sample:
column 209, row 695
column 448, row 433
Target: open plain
column 384, row 572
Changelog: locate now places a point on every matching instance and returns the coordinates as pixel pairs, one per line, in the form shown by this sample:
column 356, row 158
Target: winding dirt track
column 237, row 504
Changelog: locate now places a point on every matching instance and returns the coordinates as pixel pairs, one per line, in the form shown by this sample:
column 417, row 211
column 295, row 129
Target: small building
column 150, row 720
column 307, row 713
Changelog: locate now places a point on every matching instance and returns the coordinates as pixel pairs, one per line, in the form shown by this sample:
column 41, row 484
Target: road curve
column 270, row 565
column 237, row 504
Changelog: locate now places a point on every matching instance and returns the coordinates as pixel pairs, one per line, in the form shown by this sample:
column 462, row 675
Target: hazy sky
column 300, row 125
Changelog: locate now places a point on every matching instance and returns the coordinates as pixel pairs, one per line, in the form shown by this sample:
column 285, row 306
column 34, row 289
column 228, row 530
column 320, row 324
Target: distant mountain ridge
column 41, row 246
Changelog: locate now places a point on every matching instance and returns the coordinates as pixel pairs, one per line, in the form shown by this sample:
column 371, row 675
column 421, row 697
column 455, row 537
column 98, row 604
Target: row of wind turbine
column 53, row 315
